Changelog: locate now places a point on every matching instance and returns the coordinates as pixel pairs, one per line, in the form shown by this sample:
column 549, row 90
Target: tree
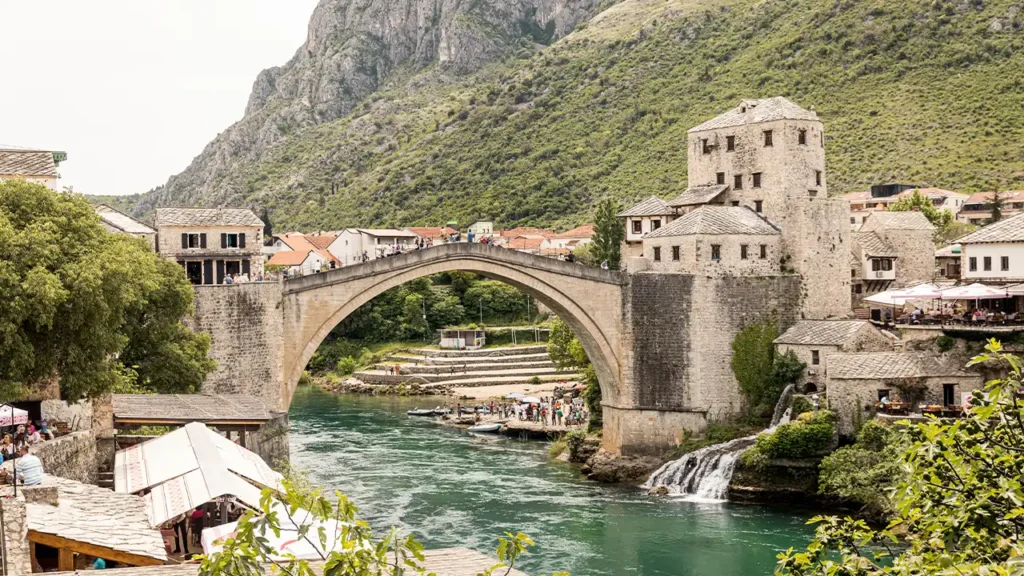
column 567, row 353
column 76, row 301
column 996, row 204
column 341, row 544
column 960, row 508
column 446, row 311
column 753, row 357
column 498, row 300
column 608, row 235
column 945, row 224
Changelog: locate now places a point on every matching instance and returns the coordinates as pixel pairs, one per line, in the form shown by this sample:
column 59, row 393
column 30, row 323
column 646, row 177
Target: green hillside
column 925, row 92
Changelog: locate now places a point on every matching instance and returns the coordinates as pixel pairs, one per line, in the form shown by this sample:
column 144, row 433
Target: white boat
column 485, row 428
column 419, row 412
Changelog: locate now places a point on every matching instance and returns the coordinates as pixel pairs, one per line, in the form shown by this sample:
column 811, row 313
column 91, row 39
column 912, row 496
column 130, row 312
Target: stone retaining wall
column 73, row 456
column 270, row 442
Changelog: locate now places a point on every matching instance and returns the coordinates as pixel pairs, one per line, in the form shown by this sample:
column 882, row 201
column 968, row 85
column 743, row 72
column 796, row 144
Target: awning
column 974, row 292
column 9, row 415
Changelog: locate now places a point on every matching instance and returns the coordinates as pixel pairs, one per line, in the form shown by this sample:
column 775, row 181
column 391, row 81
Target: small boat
column 485, row 428
column 418, row 412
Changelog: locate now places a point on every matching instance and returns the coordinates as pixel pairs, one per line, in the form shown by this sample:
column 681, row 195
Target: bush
column 346, row 365
column 574, row 440
column 808, row 436
column 799, row 405
column 944, row 343
column 862, row 473
column 304, row 379
column 558, row 447
column 715, row 434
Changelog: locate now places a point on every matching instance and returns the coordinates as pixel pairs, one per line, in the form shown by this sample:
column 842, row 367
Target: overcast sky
column 133, row 90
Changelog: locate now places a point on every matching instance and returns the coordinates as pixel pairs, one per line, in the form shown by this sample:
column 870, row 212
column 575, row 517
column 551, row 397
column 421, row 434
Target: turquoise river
column 451, row 488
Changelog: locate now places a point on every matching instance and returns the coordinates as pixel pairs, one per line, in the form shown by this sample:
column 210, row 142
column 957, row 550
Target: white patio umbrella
column 887, row 298
column 974, row 291
column 919, row 292
column 514, row 395
column 530, row 400
column 10, row 416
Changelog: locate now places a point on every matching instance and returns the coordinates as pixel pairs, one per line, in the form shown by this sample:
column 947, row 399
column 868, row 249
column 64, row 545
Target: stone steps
column 444, row 361
column 509, row 351
column 523, row 375
column 569, row 377
column 470, row 367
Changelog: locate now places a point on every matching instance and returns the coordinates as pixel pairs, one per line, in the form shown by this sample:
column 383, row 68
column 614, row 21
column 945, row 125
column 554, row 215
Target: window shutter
column 207, row 271
column 245, row 266
column 202, row 240
column 241, row 240
column 184, row 240
column 220, row 271
column 223, row 240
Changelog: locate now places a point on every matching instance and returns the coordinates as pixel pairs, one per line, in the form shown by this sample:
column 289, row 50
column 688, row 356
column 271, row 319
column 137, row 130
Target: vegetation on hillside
column 947, row 228
column 926, row 92
column 960, row 507
column 98, row 311
column 865, row 472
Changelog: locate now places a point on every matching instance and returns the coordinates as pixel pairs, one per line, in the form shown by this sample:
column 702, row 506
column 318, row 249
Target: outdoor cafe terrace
column 971, row 308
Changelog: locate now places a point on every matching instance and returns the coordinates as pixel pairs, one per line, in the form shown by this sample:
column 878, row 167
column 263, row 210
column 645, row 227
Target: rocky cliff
column 353, row 49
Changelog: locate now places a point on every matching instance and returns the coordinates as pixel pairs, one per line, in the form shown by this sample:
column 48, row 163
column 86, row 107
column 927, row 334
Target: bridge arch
column 589, row 300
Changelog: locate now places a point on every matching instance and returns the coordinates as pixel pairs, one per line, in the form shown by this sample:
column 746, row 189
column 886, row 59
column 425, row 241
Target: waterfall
column 704, row 475
column 782, row 405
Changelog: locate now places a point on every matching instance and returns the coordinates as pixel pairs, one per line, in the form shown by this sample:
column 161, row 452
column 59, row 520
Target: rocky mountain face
column 353, row 49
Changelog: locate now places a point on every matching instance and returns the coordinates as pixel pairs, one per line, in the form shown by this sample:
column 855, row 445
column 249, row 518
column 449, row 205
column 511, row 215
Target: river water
column 451, row 488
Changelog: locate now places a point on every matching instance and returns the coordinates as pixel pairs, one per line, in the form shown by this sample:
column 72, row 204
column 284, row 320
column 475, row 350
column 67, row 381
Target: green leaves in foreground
column 960, row 508
column 336, row 542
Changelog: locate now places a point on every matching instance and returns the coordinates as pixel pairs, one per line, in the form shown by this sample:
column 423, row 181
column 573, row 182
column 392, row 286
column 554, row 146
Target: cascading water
column 704, row 475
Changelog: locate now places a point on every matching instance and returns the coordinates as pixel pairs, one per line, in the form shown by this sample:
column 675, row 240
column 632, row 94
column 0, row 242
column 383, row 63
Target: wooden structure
column 462, row 339
column 233, row 414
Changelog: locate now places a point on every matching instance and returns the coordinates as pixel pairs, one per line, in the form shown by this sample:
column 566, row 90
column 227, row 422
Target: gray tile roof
column 122, row 222
column 27, row 163
column 889, row 365
column 698, row 195
column 446, row 562
column 873, row 245
column 206, row 217
column 1006, row 230
column 189, row 407
column 949, row 251
column 757, row 111
column 711, row 219
column 896, row 221
column 822, row 332
column 652, row 206
column 97, row 516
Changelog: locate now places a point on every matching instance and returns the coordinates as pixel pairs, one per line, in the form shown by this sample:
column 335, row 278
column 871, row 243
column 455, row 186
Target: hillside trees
column 567, row 353
column 90, row 308
column 608, row 235
column 947, row 228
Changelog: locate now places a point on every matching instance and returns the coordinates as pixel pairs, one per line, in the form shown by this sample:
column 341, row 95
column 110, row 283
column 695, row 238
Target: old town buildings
column 211, row 244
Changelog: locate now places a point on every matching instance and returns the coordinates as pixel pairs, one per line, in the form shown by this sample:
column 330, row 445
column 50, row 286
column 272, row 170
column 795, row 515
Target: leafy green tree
column 608, row 235
column 446, row 311
column 865, row 472
column 960, row 508
column 996, row 205
column 753, row 357
column 567, row 353
column 943, row 220
column 498, row 300
column 341, row 543
column 786, row 369
column 97, row 310
column 414, row 318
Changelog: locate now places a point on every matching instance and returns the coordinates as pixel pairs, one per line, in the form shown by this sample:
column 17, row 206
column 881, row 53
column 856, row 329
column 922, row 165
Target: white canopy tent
column 288, row 541
column 11, row 416
column 189, row 467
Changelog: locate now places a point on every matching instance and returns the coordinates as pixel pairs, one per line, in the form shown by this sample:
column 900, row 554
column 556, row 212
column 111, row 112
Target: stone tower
column 769, row 154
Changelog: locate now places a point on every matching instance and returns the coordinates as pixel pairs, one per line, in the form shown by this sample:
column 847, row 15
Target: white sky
column 133, row 90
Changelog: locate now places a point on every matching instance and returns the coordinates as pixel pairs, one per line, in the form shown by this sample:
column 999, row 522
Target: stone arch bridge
column 637, row 329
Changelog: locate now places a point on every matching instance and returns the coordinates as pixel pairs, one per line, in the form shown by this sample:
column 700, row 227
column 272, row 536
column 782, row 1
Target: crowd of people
column 550, row 410
column 246, row 278
column 10, row 447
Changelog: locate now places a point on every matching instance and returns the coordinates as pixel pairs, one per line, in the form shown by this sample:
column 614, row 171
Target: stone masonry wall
column 916, row 255
column 845, row 397
column 72, row 456
column 270, row 442
column 695, row 255
column 678, row 349
column 19, row 559
column 245, row 323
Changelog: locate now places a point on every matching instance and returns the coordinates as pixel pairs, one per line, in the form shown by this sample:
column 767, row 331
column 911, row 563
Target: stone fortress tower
column 769, row 155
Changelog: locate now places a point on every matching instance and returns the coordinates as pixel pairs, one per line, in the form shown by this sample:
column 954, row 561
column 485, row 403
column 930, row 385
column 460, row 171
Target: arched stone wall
column 588, row 300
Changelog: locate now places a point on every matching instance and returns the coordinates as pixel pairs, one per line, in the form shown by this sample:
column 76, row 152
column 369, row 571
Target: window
column 817, row 177
column 812, row 193
column 801, row 137
column 705, row 147
column 720, row 178
column 882, row 393
column 972, row 264
column 637, row 227
column 657, row 253
column 815, row 358
column 730, row 143
column 1004, row 263
column 735, row 202
column 743, row 251
column 193, row 241
column 988, row 263
column 764, row 251
column 853, row 220
column 767, row 138
column 822, row 139
column 757, row 206
column 757, row 179
column 232, row 241
column 716, row 252
column 881, row 264
column 675, row 253
column 655, row 224
column 857, row 288
column 737, row 182
column 948, row 394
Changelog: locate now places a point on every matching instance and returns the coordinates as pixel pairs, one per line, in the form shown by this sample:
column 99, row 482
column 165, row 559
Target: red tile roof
column 524, row 243
column 1009, row 195
column 289, row 257
column 302, row 243
column 584, row 231
column 431, row 231
column 322, row 241
column 527, row 231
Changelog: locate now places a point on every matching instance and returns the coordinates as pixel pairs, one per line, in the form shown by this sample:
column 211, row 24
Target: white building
column 572, row 239
column 299, row 262
column 353, row 245
column 647, row 216
column 481, row 228
column 995, row 253
column 978, row 208
column 38, row 166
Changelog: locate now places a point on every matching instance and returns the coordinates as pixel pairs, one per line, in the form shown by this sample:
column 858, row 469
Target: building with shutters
column 211, row 243
column 38, row 166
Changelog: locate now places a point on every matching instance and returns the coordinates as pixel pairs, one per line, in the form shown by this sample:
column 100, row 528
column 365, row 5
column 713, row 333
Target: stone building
column 770, row 153
column 878, row 199
column 909, row 234
column 995, row 253
column 947, row 261
column 647, row 216
column 211, row 243
column 38, row 166
column 715, row 241
column 857, row 381
column 814, row 340
column 872, row 265
column 977, row 209
column 119, row 223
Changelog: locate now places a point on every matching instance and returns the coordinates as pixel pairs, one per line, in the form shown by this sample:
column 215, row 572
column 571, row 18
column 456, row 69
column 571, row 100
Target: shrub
column 800, row 404
column 944, row 343
column 304, row 379
column 864, row 472
column 808, row 436
column 346, row 365
column 558, row 447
